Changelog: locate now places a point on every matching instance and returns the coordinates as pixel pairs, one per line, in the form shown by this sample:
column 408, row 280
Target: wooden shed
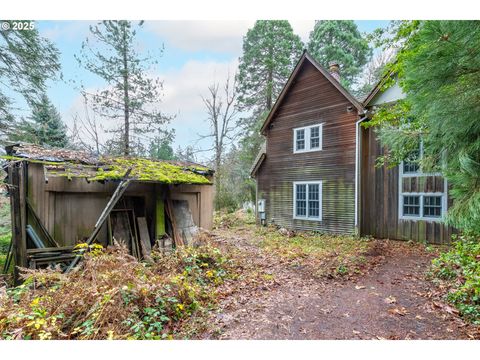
column 58, row 197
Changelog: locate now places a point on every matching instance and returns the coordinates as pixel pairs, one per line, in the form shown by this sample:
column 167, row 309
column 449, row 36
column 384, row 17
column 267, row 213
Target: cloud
column 220, row 36
column 66, row 30
column 183, row 88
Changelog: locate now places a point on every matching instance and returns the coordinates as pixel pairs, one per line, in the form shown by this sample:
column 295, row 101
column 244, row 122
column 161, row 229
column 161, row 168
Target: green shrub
column 459, row 268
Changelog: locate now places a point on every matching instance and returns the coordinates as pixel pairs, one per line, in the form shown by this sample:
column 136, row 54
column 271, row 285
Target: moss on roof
column 115, row 168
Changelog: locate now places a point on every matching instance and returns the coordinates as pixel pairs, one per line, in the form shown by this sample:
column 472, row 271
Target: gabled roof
column 376, row 88
column 307, row 57
column 262, row 154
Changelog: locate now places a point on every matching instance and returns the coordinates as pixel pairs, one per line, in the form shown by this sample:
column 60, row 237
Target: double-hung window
column 307, row 200
column 308, row 138
column 422, row 206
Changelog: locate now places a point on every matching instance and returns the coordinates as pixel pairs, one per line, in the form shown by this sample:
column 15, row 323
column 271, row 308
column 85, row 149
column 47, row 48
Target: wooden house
column 317, row 170
column 58, row 197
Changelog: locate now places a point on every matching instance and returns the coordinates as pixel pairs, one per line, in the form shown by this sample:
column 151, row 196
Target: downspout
column 357, row 174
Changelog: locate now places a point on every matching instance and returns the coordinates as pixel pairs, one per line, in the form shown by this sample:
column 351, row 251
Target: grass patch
column 458, row 272
column 5, row 231
column 326, row 254
column 4, row 244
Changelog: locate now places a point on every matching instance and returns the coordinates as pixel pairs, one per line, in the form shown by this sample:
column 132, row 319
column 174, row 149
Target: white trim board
column 307, row 138
column 320, row 200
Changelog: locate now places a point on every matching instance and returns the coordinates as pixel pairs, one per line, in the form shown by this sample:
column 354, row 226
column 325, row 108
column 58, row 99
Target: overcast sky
column 195, row 54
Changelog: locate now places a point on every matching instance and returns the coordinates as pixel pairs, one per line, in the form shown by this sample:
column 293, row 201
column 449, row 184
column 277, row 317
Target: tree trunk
column 269, row 89
column 126, row 100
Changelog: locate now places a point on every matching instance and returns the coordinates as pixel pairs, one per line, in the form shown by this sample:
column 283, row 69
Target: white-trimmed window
column 307, row 200
column 410, row 167
column 422, row 206
column 308, row 138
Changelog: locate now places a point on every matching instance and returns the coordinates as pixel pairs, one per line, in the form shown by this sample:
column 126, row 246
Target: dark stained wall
column 380, row 199
column 312, row 99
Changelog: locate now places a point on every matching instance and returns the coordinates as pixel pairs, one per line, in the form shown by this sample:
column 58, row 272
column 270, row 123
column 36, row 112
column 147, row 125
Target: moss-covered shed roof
column 79, row 164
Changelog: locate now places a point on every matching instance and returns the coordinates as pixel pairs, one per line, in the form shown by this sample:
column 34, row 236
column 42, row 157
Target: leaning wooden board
column 144, row 237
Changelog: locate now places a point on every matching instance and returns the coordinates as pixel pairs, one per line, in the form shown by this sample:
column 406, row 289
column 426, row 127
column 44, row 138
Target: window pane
column 300, row 139
column 301, row 202
column 410, row 165
column 315, row 137
column 313, row 200
column 411, row 205
column 432, row 206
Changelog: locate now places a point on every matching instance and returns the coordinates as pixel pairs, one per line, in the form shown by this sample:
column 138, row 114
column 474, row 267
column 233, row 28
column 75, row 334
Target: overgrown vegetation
column 5, row 231
column 327, row 255
column 458, row 272
column 113, row 296
column 115, row 168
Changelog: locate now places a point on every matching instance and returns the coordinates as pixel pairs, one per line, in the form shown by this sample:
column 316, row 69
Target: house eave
column 291, row 79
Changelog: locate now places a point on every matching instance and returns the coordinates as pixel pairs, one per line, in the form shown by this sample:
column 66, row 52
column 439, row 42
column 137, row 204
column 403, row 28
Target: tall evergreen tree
column 27, row 61
column 339, row 40
column 270, row 51
column 161, row 147
column 43, row 127
column 131, row 96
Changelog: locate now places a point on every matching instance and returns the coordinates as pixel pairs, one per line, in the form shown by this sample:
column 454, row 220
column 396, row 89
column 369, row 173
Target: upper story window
column 308, row 138
column 411, row 165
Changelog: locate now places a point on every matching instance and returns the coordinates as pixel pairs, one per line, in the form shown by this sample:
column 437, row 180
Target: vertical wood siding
column 380, row 195
column 70, row 209
column 312, row 99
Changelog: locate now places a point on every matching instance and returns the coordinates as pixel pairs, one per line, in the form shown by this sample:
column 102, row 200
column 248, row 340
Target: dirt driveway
column 392, row 301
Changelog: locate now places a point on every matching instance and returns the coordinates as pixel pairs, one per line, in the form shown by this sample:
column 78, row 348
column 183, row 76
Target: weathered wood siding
column 380, row 199
column 70, row 209
column 312, row 99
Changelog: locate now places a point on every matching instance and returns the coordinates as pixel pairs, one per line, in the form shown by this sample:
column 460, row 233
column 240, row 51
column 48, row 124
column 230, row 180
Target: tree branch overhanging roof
column 307, row 57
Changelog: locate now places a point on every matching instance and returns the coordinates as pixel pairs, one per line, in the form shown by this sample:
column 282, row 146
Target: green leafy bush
column 459, row 270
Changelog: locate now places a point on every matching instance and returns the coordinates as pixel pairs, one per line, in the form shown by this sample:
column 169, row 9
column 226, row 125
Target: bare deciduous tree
column 85, row 132
column 221, row 111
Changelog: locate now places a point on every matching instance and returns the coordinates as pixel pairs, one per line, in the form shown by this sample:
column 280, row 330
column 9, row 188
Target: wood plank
column 145, row 240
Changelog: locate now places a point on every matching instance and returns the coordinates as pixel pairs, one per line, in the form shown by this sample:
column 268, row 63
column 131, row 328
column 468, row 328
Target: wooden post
column 17, row 178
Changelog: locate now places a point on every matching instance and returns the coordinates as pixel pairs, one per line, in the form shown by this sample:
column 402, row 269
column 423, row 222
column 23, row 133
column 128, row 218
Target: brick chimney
column 334, row 69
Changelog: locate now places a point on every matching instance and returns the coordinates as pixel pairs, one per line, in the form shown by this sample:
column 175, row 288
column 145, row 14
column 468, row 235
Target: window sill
column 307, row 219
column 423, row 218
column 306, row 151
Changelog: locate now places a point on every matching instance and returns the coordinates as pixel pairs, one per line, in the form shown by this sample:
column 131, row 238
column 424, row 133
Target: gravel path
column 392, row 301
